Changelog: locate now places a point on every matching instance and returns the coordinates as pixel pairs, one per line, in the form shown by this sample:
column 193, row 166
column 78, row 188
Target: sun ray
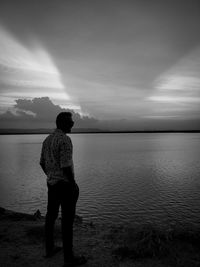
column 30, row 72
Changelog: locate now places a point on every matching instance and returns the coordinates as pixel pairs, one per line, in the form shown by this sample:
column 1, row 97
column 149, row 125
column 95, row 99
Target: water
column 123, row 178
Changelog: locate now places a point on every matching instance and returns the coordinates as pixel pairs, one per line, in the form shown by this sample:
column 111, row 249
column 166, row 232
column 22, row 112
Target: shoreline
column 22, row 243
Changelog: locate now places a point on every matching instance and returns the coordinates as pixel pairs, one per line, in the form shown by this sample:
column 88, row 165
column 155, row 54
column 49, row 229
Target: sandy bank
column 22, row 244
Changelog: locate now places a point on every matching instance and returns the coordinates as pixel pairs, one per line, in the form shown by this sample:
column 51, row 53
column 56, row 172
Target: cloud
column 42, row 112
column 39, row 113
column 29, row 72
column 177, row 91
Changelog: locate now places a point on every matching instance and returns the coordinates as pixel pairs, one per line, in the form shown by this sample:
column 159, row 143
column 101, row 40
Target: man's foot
column 75, row 261
column 52, row 252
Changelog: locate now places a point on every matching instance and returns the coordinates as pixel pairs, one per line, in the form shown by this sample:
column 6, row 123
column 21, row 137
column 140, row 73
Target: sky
column 117, row 64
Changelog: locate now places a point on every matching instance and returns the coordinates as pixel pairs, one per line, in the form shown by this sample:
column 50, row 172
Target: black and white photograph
column 100, row 133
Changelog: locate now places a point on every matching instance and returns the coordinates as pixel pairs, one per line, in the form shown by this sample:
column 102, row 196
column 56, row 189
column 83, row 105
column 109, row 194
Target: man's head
column 64, row 121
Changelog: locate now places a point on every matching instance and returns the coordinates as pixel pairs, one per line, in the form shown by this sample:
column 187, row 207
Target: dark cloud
column 39, row 113
column 43, row 108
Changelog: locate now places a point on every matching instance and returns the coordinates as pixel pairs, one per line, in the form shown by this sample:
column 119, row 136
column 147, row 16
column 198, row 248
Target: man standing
column 57, row 163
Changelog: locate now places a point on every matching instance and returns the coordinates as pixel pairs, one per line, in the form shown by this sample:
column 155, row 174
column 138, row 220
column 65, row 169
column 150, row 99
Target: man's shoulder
column 61, row 138
column 66, row 139
column 58, row 137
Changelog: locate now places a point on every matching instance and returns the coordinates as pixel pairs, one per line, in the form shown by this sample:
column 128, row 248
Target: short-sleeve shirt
column 57, row 153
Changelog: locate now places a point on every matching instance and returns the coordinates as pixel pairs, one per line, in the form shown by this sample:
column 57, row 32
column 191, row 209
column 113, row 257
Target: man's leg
column 51, row 216
column 68, row 204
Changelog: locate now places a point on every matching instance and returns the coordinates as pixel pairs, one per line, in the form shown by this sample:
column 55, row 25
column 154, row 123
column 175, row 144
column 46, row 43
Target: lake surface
column 123, row 178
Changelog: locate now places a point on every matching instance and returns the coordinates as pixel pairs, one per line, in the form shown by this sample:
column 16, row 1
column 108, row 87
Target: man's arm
column 66, row 161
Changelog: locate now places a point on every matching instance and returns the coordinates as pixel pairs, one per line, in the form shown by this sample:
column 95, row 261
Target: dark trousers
column 65, row 195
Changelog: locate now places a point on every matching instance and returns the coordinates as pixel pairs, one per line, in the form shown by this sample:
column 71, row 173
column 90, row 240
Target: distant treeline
column 87, row 130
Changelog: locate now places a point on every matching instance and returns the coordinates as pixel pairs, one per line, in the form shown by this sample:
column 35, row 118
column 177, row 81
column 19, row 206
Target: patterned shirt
column 56, row 154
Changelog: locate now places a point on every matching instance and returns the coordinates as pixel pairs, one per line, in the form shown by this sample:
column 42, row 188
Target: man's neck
column 58, row 129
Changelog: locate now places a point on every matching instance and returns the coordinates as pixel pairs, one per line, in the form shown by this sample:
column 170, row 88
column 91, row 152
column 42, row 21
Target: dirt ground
column 22, row 244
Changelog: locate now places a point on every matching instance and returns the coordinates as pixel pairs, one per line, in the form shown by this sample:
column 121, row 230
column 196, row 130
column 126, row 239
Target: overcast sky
column 108, row 59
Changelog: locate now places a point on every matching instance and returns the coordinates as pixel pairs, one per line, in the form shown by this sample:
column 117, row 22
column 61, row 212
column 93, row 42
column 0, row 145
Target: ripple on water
column 132, row 178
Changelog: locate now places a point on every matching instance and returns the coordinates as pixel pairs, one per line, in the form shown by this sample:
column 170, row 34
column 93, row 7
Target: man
column 57, row 163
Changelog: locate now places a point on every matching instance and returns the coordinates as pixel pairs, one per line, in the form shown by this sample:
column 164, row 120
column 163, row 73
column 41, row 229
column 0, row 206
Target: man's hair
column 63, row 118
